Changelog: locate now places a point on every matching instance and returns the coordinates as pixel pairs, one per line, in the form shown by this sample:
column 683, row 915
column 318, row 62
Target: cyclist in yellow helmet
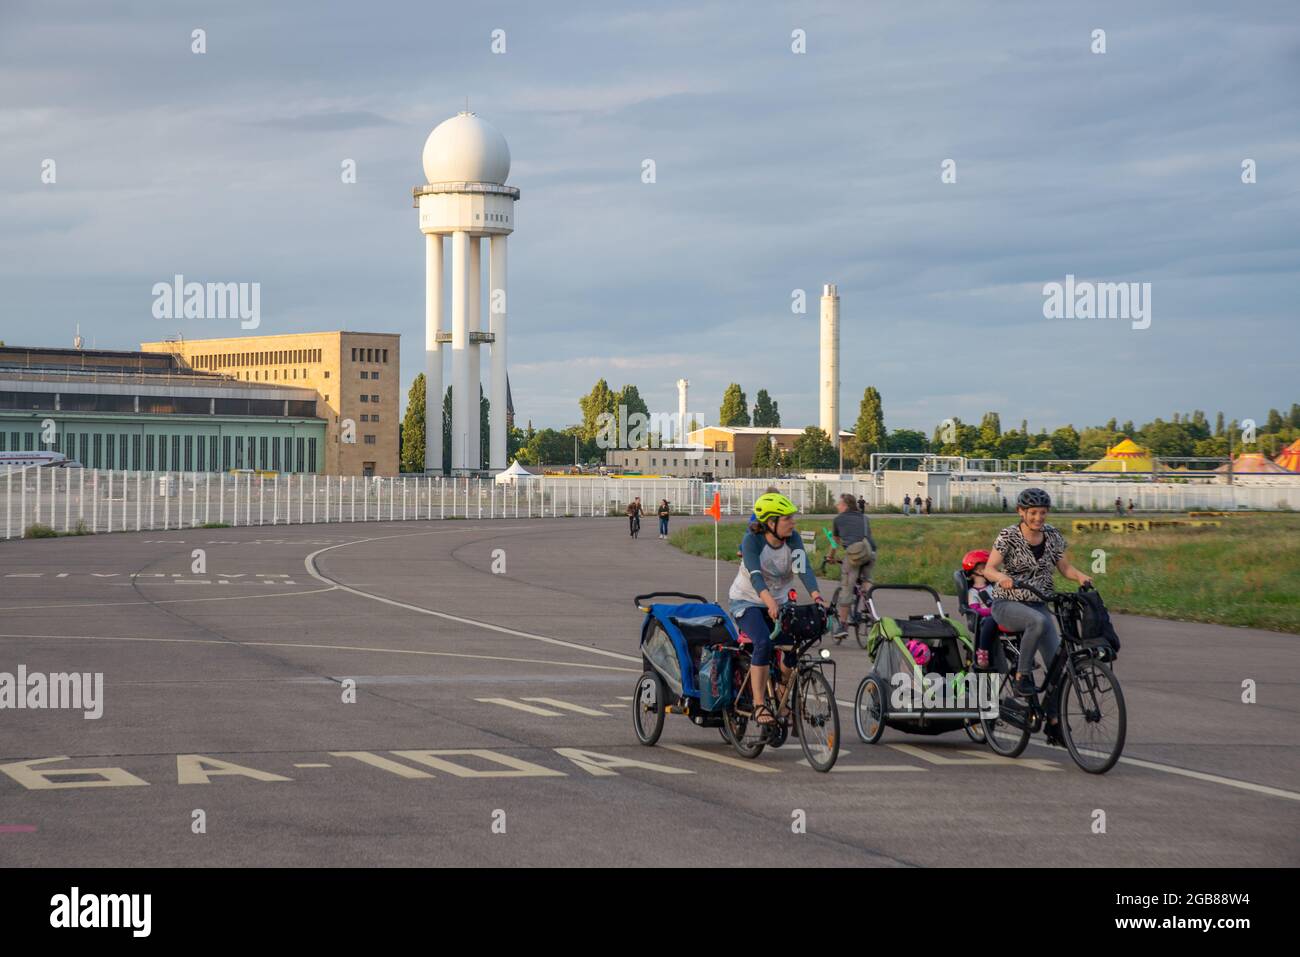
column 772, row 556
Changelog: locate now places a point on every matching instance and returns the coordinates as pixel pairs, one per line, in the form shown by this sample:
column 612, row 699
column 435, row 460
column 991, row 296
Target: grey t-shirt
column 852, row 527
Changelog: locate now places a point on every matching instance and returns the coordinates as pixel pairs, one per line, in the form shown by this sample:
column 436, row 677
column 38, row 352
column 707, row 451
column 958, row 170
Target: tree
column 1065, row 443
column 600, row 399
column 1218, row 424
column 869, row 433
column 484, row 427
column 766, row 414
column 630, row 398
column 734, row 409
column 547, row 447
column 763, row 453
column 1274, row 423
column 813, row 450
column 413, row 428
column 1295, row 413
column 906, row 440
column 446, row 431
column 990, row 430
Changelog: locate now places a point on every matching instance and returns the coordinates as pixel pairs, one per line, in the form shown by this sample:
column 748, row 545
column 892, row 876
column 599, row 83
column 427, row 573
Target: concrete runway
column 225, row 693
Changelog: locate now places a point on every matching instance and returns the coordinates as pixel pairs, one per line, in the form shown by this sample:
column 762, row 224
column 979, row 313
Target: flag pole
column 715, row 563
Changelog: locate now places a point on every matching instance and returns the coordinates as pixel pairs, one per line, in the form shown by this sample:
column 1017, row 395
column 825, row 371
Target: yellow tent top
column 1124, row 456
column 1290, row 457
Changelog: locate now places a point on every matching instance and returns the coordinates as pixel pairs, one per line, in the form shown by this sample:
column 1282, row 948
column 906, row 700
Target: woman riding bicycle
column 1026, row 553
column 772, row 555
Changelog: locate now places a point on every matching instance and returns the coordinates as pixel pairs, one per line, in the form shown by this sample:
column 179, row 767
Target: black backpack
column 1094, row 621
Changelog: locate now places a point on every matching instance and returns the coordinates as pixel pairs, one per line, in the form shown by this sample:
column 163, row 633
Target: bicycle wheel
column 1005, row 738
column 1094, row 720
column 745, row 735
column 819, row 719
column 648, row 708
column 975, row 731
column 869, row 710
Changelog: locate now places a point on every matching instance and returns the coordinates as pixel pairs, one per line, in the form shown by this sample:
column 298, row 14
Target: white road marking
column 311, row 765
column 557, row 703
column 165, row 601
column 722, row 759
column 232, row 643
column 520, row 706
column 310, row 563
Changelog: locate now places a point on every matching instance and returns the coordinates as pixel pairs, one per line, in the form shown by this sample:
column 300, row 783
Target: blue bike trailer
column 688, row 628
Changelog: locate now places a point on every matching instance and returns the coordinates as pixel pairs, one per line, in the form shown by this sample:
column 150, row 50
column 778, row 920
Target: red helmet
column 971, row 559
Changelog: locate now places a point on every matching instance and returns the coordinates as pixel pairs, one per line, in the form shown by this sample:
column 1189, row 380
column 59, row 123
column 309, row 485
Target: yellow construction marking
column 507, row 703
column 722, row 759
column 516, row 767
column 384, row 764
column 37, row 779
column 557, row 703
column 977, row 757
column 199, row 769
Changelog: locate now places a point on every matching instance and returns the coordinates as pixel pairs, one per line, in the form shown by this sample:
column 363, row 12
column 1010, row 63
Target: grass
column 1242, row 573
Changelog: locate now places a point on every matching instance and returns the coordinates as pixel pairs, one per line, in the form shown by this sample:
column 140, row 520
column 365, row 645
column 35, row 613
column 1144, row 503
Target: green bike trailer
column 922, row 678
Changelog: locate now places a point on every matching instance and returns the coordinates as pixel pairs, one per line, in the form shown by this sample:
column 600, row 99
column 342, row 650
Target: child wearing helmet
column 980, row 601
column 772, row 557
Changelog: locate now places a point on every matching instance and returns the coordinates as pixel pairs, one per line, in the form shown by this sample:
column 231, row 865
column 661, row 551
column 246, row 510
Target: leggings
column 1037, row 626
column 756, row 625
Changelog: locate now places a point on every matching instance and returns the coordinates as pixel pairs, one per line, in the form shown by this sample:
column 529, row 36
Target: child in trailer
column 980, row 602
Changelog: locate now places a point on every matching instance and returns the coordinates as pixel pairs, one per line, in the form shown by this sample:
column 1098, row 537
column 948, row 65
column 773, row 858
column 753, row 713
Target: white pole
column 81, row 494
column 37, row 519
column 248, row 500
column 9, row 503
column 207, row 498
column 234, row 506
column 67, row 500
column 94, row 504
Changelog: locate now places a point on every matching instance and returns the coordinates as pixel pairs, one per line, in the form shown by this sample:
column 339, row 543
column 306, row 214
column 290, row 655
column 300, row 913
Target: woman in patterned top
column 1028, row 552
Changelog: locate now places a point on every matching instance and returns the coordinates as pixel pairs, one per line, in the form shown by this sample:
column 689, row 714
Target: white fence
column 92, row 500
column 1095, row 496
column 69, row 500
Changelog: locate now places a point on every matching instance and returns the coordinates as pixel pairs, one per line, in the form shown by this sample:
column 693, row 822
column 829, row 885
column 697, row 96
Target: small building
column 741, row 441
column 674, row 462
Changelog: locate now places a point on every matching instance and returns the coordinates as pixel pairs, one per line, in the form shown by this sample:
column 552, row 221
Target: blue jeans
column 663, row 526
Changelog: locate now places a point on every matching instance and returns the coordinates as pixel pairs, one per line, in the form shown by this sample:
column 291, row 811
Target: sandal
column 762, row 711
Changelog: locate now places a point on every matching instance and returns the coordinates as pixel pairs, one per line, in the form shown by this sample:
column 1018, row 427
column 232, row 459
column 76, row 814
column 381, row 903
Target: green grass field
column 1242, row 573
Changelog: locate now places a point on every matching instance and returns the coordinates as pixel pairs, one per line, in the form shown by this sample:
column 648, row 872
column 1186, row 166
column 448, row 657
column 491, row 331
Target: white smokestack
column 829, row 377
column 682, row 424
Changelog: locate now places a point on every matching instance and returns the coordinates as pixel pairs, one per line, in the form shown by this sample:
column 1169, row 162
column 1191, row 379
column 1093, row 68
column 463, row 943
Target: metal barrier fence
column 92, row 500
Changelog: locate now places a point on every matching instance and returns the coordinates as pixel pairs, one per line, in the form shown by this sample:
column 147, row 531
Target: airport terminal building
column 150, row 411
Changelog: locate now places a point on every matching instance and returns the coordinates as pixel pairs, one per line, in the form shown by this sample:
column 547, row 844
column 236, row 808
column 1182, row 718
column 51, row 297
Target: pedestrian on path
column 634, row 517
column 907, row 505
column 664, row 511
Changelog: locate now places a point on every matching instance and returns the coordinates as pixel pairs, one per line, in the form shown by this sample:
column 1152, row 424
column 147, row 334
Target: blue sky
column 775, row 172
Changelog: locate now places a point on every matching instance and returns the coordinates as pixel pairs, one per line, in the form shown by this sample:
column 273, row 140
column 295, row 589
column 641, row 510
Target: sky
column 775, row 171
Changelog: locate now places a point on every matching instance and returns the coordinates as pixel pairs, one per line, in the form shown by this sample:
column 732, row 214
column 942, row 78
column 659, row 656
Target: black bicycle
column 860, row 619
column 806, row 701
column 1080, row 690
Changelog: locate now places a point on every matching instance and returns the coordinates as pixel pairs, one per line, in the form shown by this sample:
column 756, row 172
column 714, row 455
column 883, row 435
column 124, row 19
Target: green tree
column 484, row 427
column 548, row 447
column 1274, row 423
column 766, row 414
column 734, row 409
column 813, row 450
column 869, row 433
column 907, row 440
column 1218, row 424
column 600, row 399
column 630, row 398
column 1012, row 444
column 1294, row 417
column 1065, row 443
column 413, row 428
column 763, row 453
column 990, row 430
column 446, row 431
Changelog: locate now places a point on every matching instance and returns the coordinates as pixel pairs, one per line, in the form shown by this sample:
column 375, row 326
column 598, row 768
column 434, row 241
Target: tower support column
column 459, row 350
column 432, row 353
column 497, row 300
column 475, row 364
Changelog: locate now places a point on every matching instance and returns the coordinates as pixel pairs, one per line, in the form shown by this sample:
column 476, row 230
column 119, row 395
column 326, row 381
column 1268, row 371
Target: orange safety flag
column 716, row 510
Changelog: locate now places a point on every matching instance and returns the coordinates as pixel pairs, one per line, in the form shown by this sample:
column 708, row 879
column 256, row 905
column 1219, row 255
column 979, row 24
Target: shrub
column 40, row 530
